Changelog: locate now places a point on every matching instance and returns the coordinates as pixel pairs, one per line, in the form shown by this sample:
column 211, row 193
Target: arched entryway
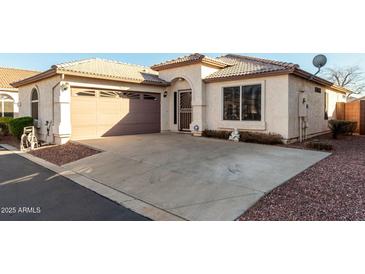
column 182, row 104
column 6, row 105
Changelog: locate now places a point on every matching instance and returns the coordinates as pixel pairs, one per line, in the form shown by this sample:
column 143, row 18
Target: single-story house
column 9, row 94
column 95, row 97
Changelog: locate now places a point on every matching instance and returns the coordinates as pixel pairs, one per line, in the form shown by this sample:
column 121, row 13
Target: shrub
column 219, row 134
column 249, row 137
column 338, row 127
column 317, row 145
column 261, row 138
column 17, row 125
column 4, row 125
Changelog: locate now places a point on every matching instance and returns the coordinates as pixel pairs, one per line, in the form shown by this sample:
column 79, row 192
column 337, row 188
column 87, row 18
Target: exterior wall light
column 165, row 94
column 196, row 128
column 65, row 86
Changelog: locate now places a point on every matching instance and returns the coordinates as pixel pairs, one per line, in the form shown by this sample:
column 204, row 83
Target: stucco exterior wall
column 274, row 101
column 44, row 88
column 15, row 96
column 316, row 122
column 193, row 75
column 61, row 113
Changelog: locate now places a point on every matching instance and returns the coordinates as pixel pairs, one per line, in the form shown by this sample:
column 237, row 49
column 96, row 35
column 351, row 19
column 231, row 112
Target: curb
column 125, row 200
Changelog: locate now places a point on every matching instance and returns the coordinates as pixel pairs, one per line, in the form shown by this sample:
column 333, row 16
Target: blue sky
column 43, row 61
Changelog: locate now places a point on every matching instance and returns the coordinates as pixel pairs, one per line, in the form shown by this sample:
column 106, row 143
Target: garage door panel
column 93, row 117
column 142, row 105
column 84, row 131
column 110, row 106
column 138, row 118
column 128, row 129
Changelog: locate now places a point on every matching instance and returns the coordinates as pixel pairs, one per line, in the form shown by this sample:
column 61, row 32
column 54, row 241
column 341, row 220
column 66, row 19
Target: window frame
column 34, row 89
column 240, row 102
column 262, row 110
column 317, row 90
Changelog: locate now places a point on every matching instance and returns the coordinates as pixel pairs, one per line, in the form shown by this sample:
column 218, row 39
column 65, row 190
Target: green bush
column 4, row 125
column 318, row 145
column 17, row 125
column 261, row 138
column 338, row 127
column 219, row 134
column 249, row 137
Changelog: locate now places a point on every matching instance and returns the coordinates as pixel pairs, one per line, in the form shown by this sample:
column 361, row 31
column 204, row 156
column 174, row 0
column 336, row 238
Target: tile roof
column 190, row 59
column 231, row 66
column 9, row 75
column 111, row 70
column 245, row 66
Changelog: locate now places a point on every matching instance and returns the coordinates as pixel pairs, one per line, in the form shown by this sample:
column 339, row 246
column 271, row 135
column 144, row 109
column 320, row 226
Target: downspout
column 53, row 102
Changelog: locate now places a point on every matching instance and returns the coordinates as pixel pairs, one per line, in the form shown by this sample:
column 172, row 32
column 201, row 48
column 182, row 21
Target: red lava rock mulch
column 10, row 140
column 64, row 154
column 331, row 190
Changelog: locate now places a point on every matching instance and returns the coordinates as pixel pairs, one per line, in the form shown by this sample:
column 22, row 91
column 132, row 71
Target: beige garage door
column 96, row 113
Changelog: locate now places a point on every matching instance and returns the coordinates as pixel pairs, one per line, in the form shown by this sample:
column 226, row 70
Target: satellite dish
column 319, row 61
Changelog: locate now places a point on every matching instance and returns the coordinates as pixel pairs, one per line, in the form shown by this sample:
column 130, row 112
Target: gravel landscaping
column 64, row 154
column 332, row 190
column 10, row 140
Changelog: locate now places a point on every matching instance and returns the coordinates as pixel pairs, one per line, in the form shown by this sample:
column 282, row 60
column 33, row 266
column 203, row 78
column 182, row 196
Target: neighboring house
column 9, row 94
column 94, row 97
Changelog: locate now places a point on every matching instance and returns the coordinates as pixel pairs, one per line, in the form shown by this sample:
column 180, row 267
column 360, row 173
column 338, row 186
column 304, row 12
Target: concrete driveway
column 194, row 178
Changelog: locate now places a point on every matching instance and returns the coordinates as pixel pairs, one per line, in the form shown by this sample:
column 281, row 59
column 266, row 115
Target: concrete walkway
column 194, row 178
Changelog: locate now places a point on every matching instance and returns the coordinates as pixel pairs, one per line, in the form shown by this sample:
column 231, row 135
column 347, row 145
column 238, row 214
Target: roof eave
column 43, row 75
column 110, row 78
column 308, row 76
column 54, row 71
column 8, row 89
column 248, row 76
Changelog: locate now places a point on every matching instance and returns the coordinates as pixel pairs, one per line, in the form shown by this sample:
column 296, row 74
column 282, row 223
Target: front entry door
column 185, row 110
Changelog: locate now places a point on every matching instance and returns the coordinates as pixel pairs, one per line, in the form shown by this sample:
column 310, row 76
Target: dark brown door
column 185, row 110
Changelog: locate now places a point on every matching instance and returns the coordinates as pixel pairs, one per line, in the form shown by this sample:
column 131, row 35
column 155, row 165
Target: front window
column 231, row 103
column 34, row 103
column 242, row 103
column 6, row 106
column 251, row 103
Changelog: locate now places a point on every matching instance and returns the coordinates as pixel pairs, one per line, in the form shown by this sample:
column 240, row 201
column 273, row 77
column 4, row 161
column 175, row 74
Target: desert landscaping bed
column 64, row 154
column 333, row 189
column 10, row 140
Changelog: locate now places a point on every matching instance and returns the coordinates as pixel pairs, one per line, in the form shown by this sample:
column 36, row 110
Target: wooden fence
column 353, row 111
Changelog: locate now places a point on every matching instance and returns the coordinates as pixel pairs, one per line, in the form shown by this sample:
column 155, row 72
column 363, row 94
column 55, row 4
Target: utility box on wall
column 303, row 104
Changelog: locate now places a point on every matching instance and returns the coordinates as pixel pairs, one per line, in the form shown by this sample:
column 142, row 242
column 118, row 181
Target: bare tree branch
column 351, row 78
